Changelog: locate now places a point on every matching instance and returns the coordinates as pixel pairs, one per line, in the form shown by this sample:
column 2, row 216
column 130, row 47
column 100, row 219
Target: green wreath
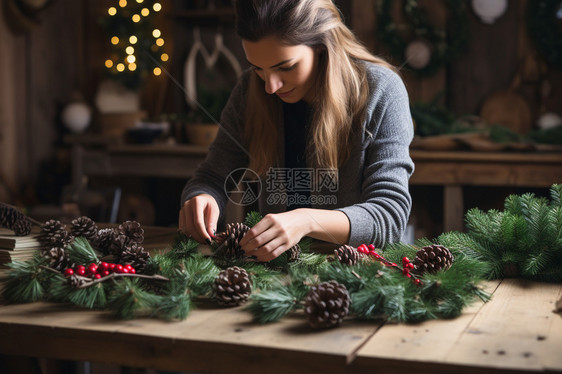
column 397, row 36
column 544, row 26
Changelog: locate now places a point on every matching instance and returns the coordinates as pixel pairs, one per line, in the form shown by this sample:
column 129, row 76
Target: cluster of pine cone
column 13, row 219
column 124, row 243
column 229, row 242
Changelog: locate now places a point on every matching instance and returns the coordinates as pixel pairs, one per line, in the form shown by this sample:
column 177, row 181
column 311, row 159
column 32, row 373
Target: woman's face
column 288, row 71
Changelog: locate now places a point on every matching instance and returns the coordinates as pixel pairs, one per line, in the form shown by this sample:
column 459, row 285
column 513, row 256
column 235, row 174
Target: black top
column 299, row 178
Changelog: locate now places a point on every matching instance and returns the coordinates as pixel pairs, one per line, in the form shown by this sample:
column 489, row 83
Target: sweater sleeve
column 227, row 153
column 382, row 215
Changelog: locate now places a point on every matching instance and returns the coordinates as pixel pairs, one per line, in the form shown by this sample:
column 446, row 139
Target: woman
column 323, row 122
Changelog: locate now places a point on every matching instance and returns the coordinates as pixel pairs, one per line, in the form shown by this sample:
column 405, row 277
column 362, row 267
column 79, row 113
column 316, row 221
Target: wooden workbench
column 517, row 331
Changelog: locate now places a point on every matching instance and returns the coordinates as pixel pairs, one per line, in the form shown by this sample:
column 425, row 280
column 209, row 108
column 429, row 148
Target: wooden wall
column 494, row 55
column 39, row 69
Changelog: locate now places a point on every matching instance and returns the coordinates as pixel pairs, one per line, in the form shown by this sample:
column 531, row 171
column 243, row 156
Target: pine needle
column 81, row 252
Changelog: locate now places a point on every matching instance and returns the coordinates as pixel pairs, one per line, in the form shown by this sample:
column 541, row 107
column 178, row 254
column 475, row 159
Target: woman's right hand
column 198, row 218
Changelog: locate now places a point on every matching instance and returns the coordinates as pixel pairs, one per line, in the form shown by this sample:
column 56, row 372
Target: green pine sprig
column 80, row 251
column 129, row 300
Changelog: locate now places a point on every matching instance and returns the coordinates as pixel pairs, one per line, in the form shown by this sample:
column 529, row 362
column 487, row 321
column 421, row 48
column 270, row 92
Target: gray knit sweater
column 372, row 189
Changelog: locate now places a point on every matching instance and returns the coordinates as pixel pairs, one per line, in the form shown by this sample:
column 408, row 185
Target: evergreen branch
column 271, row 305
column 90, row 297
column 556, row 195
column 176, row 305
column 129, row 300
column 252, row 218
column 183, row 247
column 93, row 282
column 81, row 252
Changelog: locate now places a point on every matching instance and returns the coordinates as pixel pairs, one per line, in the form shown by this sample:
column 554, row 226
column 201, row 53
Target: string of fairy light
column 135, row 42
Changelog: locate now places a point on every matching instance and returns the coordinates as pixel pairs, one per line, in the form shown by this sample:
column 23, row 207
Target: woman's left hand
column 275, row 234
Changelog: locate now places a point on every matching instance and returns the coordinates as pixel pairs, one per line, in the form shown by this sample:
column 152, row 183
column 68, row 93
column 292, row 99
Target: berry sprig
column 95, row 271
column 407, row 266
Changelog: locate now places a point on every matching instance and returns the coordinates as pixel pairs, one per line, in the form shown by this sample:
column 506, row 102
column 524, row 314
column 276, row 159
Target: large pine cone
column 48, row 229
column 231, row 245
column 132, row 230
column 327, row 304
column 348, row 255
column 58, row 259
column 60, row 238
column 294, row 252
column 135, row 256
column 104, row 239
column 432, row 258
column 120, row 244
column 232, row 286
column 85, row 227
column 13, row 219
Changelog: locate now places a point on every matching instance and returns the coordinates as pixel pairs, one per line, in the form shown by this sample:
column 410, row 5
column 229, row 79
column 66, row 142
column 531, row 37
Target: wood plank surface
column 515, row 332
column 211, row 339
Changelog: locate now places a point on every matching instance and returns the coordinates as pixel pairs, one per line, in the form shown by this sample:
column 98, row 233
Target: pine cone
column 327, row 304
column 294, row 252
column 13, row 219
column 221, row 237
column 348, row 255
column 48, row 229
column 135, row 256
column 432, row 258
column 104, row 239
column 59, row 239
column 132, row 230
column 57, row 258
column 119, row 244
column 232, row 286
column 231, row 246
column 85, row 227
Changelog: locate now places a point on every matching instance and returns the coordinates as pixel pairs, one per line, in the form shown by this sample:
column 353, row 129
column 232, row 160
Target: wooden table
column 516, row 332
column 453, row 170
column 102, row 156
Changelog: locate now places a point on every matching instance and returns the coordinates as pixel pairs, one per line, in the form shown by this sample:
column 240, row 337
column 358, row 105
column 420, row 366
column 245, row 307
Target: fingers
column 198, row 217
column 269, row 238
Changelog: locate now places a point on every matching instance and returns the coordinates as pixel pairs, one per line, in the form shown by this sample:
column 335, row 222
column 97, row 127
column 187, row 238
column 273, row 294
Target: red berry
column 409, row 275
column 105, row 273
column 97, row 276
column 405, row 260
column 393, row 264
column 112, row 266
column 406, row 271
column 128, row 266
column 132, row 271
column 126, row 270
column 417, row 281
column 118, row 268
column 104, row 265
column 68, row 272
column 372, row 247
column 81, row 271
column 80, row 267
column 410, row 265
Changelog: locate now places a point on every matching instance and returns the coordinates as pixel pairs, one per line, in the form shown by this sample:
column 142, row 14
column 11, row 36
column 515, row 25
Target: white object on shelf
column 76, row 116
column 489, row 10
column 549, row 120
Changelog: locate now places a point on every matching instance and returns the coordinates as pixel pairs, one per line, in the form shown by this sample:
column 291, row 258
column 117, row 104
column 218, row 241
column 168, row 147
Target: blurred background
column 99, row 114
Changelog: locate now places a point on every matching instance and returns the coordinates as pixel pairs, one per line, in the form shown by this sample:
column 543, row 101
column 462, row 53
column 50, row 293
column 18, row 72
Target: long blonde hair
column 341, row 89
